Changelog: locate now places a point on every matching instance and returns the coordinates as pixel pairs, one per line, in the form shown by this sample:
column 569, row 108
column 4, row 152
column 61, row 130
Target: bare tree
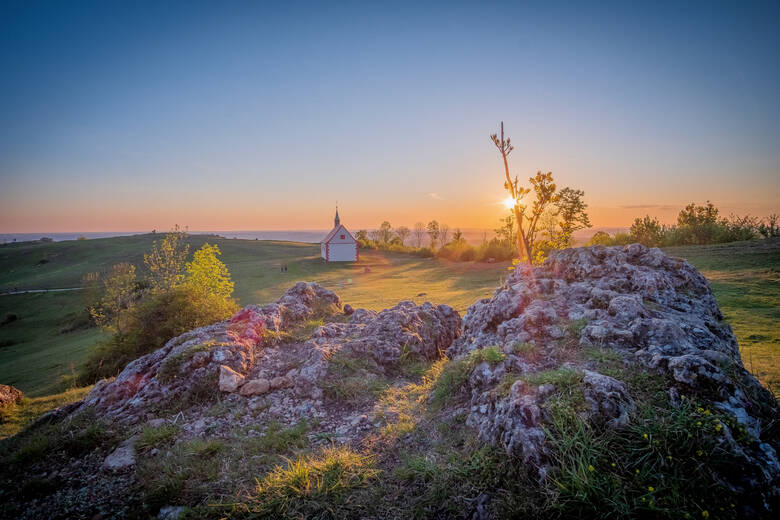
column 525, row 216
column 419, row 233
column 403, row 233
column 444, row 234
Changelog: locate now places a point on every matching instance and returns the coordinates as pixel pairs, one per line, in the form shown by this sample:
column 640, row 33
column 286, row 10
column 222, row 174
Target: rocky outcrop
column 9, row 395
column 635, row 306
column 274, row 358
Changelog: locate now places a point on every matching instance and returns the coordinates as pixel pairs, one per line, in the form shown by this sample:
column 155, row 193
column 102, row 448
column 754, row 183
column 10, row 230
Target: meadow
column 49, row 338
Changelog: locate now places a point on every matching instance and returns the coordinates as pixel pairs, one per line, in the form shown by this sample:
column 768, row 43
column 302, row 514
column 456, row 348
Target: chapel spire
column 337, row 220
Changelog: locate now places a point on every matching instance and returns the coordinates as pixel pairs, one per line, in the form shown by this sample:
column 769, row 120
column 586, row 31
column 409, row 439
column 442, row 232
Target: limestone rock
column 633, row 305
column 229, row 379
column 9, row 395
column 123, row 457
column 255, row 387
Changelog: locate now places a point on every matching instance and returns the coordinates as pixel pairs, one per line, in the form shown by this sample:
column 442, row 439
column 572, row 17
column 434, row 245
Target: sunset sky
column 256, row 115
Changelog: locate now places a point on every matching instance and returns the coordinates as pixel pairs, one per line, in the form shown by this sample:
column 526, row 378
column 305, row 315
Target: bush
column 155, row 320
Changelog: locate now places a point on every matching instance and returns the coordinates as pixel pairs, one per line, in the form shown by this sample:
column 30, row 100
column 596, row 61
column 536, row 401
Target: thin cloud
column 662, row 207
column 435, row 196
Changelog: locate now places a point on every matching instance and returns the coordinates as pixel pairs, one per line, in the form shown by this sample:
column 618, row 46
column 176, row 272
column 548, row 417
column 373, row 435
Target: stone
column 9, row 395
column 171, row 512
column 280, row 382
column 229, row 379
column 646, row 309
column 348, row 309
column 123, row 457
column 255, row 387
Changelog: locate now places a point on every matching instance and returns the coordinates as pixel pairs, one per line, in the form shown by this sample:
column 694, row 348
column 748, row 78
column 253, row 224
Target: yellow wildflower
column 637, row 472
column 613, row 464
column 650, row 489
column 699, row 453
column 705, row 514
column 591, row 468
column 698, row 424
column 718, row 427
column 706, row 412
column 700, row 409
column 645, row 436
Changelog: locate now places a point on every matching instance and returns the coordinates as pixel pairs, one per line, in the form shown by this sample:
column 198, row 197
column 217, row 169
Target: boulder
column 123, row 457
column 229, row 379
column 255, row 387
column 9, row 395
column 645, row 311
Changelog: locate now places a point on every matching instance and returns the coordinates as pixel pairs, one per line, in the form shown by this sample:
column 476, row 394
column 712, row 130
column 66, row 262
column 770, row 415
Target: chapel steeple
column 337, row 220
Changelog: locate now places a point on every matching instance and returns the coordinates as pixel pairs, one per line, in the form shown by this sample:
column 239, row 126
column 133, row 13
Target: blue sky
column 256, row 115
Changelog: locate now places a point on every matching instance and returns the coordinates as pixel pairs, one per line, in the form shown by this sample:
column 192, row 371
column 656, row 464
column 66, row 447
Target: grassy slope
column 744, row 277
column 40, row 354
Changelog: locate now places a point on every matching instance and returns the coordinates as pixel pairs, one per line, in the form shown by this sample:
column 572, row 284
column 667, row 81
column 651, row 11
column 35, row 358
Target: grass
column 455, row 373
column 745, row 277
column 14, row 418
column 312, row 485
column 35, row 353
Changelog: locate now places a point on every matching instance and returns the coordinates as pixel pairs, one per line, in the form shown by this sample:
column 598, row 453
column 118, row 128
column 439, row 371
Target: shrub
column 156, row 319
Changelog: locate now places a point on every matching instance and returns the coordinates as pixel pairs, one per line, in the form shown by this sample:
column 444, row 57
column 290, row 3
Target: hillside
column 40, row 348
column 603, row 383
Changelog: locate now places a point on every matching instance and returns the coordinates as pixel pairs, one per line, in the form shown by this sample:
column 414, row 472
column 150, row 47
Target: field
column 48, row 338
column 38, row 350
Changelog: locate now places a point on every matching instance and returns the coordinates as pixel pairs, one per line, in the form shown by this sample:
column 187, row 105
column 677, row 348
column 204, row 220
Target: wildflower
column 591, row 468
column 698, row 424
column 705, row 514
column 700, row 409
column 613, row 464
column 643, row 499
column 637, row 471
column 645, row 436
column 682, row 396
column 699, row 453
column 718, row 427
column 706, row 412
column 650, row 489
column 669, row 457
column 650, row 503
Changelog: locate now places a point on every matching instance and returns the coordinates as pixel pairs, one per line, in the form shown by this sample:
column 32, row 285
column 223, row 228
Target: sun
column 508, row 202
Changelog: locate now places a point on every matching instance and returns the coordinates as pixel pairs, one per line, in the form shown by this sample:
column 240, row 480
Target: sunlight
column 509, row 202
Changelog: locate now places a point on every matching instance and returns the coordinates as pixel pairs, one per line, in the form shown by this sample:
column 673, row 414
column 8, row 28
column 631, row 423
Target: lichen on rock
column 641, row 309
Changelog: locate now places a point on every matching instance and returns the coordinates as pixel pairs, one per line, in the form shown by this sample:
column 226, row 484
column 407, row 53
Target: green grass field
column 36, row 351
column 745, row 277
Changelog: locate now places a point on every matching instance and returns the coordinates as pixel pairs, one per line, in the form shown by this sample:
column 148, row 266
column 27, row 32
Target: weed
column 313, row 485
column 277, row 440
column 156, row 437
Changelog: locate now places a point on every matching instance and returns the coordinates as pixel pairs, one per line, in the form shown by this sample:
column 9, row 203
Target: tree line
column 696, row 225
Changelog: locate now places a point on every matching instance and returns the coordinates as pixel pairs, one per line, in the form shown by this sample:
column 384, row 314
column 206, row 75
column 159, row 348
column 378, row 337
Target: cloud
column 662, row 207
column 435, row 196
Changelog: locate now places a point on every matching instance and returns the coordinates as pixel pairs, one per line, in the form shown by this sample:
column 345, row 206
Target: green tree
column 207, row 275
column 647, row 231
column 165, row 262
column 118, row 296
column 433, row 232
column 572, row 214
column 385, row 232
column 403, row 233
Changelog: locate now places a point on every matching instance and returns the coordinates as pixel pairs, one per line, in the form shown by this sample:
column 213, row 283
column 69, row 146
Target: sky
column 129, row 116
